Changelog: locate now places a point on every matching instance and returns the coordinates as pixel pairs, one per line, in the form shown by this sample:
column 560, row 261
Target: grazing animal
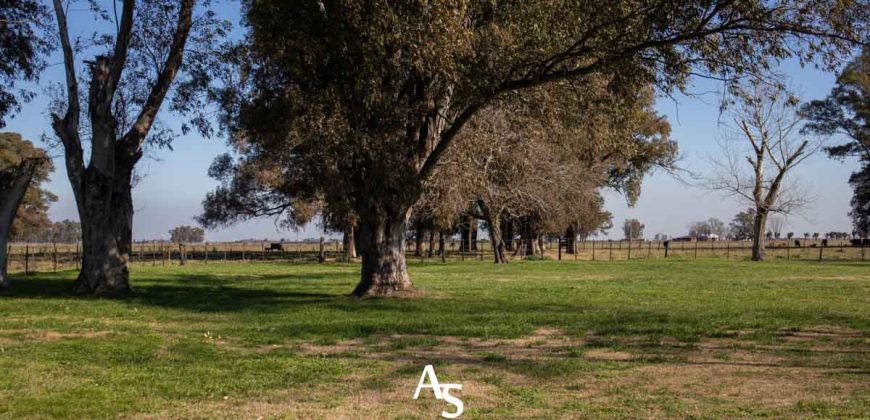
column 274, row 246
column 797, row 243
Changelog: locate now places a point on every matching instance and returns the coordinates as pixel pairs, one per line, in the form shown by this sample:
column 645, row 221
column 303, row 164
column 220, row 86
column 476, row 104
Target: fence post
column 560, row 249
column 667, row 246
column 54, row 255
column 27, row 259
column 696, row 249
column 593, row 250
column 611, row 249
column 205, row 248
column 821, row 247
column 629, row 249
column 787, row 251
column 728, row 250
column 649, row 250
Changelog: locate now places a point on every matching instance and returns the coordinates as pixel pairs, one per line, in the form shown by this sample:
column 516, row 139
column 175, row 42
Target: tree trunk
column 11, row 195
column 758, row 227
column 382, row 247
column 349, row 243
column 495, row 235
column 465, row 234
column 507, row 235
column 441, row 244
column 106, row 212
column 570, row 239
column 527, row 238
column 418, row 241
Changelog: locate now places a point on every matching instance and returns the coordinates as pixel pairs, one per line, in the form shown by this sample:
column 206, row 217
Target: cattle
column 275, row 246
column 860, row 242
column 824, row 243
column 797, row 243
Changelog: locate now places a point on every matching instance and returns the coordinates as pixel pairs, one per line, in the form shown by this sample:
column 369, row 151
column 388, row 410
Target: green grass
column 283, row 340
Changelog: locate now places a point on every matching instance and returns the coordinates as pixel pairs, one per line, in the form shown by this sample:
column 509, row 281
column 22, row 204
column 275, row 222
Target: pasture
column 626, row 339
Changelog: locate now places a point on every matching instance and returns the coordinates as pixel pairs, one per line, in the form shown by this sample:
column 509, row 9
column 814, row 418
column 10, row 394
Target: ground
column 535, row 339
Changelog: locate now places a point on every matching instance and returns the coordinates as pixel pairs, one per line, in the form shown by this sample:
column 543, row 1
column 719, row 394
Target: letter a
column 433, row 382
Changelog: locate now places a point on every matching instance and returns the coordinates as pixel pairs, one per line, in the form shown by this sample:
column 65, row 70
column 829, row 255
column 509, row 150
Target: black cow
column 274, row 246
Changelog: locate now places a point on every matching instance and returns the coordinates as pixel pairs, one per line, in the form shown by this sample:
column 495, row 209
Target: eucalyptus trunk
column 11, row 196
column 758, row 226
column 570, row 239
column 382, row 248
column 495, row 235
column 349, row 243
column 105, row 203
column 418, row 241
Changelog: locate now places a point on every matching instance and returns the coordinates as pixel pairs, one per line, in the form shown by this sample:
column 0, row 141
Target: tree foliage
column 187, row 234
column 356, row 104
column 32, row 214
column 22, row 51
column 846, row 111
column 632, row 229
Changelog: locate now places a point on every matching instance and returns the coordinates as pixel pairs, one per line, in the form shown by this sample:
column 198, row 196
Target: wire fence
column 42, row 257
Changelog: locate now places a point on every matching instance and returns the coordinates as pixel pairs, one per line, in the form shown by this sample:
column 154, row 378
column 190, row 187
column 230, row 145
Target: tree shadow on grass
column 193, row 292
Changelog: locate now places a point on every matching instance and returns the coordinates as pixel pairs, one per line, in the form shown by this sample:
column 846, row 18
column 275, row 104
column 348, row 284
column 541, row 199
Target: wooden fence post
column 593, row 250
column 629, row 249
column 696, row 249
column 54, row 256
column 611, row 249
column 27, row 259
column 821, row 247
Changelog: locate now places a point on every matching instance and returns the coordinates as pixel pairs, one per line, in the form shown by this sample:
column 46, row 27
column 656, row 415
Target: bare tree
column 758, row 156
column 777, row 224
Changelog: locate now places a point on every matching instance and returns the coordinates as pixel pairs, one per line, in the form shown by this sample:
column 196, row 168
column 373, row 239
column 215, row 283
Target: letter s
column 450, row 399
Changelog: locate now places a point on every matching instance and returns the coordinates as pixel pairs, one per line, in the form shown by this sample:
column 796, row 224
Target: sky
column 175, row 182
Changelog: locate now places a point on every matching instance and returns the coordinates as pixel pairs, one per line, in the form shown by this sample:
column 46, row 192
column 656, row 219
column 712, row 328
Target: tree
column 742, row 225
column 22, row 168
column 31, row 217
column 711, row 226
column 846, row 111
column 21, row 51
column 130, row 76
column 531, row 162
column 776, row 226
column 363, row 101
column 632, row 229
column 187, row 234
column 66, row 231
column 767, row 139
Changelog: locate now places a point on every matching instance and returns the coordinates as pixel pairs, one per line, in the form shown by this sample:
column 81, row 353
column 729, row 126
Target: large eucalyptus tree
column 360, row 101
column 134, row 66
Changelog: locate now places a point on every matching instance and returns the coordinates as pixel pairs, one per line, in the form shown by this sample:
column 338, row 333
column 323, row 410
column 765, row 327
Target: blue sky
column 174, row 183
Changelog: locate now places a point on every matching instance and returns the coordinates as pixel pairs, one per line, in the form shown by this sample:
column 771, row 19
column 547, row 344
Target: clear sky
column 175, row 182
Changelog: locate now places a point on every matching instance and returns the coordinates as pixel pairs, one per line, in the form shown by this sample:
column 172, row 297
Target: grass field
column 655, row 338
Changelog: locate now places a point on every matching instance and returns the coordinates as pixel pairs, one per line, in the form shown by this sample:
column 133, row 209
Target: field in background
column 628, row 339
column 42, row 257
